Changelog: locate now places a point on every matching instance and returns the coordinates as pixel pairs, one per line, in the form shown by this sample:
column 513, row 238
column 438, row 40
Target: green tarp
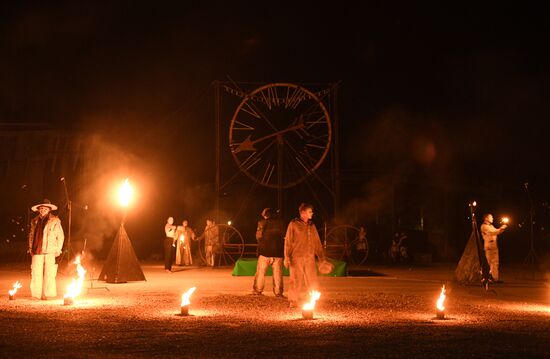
column 247, row 267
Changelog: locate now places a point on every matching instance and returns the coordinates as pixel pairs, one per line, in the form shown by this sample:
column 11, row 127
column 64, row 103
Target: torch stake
column 65, row 255
column 92, row 283
column 532, row 260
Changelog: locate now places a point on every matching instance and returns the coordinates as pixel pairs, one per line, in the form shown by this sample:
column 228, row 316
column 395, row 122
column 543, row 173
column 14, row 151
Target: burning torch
column 125, row 194
column 440, row 308
column 75, row 287
column 12, row 292
column 307, row 308
column 185, row 302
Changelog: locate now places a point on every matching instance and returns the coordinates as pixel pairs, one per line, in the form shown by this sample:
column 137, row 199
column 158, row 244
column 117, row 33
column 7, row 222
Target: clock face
column 280, row 134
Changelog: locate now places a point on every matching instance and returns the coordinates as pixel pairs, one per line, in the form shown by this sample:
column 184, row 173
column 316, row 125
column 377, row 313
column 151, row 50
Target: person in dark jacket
column 269, row 234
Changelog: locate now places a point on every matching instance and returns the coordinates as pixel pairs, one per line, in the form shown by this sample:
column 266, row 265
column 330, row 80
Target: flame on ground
column 16, row 286
column 185, row 296
column 313, row 298
column 125, row 193
column 75, row 287
column 441, row 299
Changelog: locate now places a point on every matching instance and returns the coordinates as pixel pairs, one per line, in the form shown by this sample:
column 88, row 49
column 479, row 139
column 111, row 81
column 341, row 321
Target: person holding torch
column 490, row 235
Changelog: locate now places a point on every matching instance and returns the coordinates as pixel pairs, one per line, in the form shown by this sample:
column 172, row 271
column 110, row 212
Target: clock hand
column 248, row 144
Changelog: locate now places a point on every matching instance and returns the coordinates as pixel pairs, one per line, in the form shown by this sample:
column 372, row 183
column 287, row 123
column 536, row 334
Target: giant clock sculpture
column 280, row 134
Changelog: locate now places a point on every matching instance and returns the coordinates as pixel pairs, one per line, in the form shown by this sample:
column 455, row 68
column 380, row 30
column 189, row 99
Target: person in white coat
column 45, row 244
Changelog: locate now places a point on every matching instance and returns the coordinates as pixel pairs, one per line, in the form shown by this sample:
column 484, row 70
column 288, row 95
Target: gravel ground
column 371, row 319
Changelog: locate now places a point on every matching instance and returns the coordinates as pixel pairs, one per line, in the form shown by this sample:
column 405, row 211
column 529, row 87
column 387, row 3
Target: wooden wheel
column 343, row 242
column 232, row 245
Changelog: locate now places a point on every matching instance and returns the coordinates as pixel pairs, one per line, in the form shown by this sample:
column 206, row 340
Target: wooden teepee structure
column 122, row 264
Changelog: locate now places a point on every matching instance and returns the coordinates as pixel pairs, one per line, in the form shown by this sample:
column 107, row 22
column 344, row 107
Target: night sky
column 454, row 92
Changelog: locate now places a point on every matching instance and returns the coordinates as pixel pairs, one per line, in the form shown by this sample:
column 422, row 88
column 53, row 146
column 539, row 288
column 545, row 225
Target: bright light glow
column 16, row 286
column 313, row 298
column 75, row 288
column 474, row 203
column 228, row 223
column 505, row 220
column 182, row 238
column 125, row 194
column 185, row 296
column 441, row 300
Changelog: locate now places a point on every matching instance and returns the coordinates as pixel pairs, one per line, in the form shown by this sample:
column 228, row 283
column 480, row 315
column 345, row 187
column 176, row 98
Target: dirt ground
column 390, row 315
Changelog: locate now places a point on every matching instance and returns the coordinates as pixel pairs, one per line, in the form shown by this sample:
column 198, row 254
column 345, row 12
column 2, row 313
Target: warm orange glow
column 125, row 193
column 185, row 296
column 441, row 300
column 182, row 238
column 505, row 220
column 313, row 298
column 75, row 287
column 16, row 286
column 228, row 223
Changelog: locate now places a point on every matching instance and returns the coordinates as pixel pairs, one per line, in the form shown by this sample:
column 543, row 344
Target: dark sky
column 456, row 90
column 469, row 68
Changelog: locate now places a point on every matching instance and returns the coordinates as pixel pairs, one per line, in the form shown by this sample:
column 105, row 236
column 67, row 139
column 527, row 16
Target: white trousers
column 43, row 273
column 276, row 264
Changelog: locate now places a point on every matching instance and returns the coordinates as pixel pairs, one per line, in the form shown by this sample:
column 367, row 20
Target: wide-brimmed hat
column 325, row 267
column 45, row 203
column 266, row 212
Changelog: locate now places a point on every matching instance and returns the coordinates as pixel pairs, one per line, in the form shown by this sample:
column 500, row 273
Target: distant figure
column 362, row 239
column 184, row 235
column 212, row 245
column 490, row 235
column 398, row 251
column 269, row 234
column 45, row 243
column 170, row 232
column 302, row 244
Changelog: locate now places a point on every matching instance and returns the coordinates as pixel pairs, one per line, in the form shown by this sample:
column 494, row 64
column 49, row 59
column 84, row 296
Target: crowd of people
column 178, row 239
column 296, row 249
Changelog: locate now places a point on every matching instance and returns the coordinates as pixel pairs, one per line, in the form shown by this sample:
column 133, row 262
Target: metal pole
column 336, row 149
column 217, row 114
column 280, row 149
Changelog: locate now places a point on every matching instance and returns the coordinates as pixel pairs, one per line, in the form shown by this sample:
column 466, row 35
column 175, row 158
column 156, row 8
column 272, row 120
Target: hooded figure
column 45, row 244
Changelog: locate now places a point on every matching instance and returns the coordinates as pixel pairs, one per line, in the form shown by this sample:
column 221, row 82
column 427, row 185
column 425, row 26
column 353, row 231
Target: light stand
column 531, row 261
column 68, row 252
column 486, row 277
column 91, row 272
